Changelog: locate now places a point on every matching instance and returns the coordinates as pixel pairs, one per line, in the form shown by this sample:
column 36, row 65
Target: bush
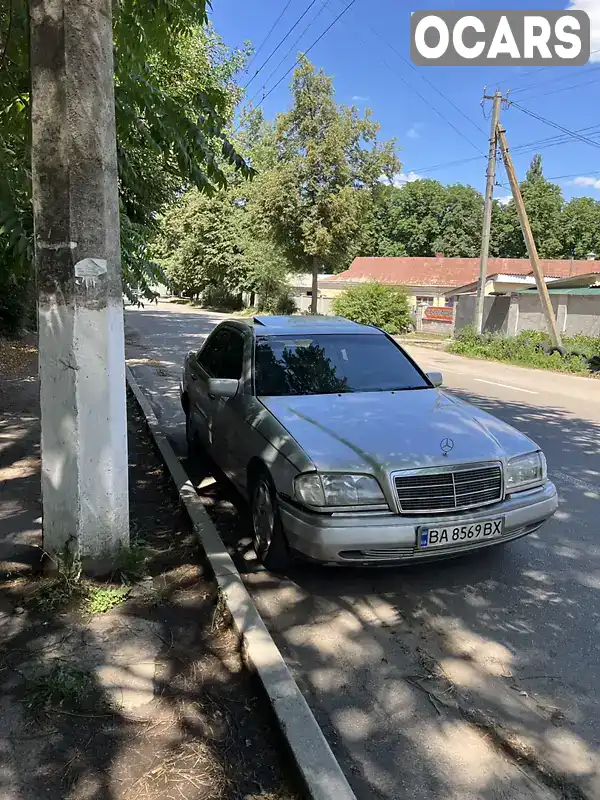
column 285, row 304
column 525, row 349
column 385, row 307
column 17, row 304
column 220, row 298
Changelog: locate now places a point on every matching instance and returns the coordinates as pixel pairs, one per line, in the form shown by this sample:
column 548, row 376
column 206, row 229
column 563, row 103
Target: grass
column 57, row 593
column 68, row 588
column 65, row 686
column 101, row 599
column 130, row 564
column 525, row 350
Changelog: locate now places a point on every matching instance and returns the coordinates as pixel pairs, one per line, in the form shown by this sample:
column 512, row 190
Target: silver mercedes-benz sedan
column 349, row 453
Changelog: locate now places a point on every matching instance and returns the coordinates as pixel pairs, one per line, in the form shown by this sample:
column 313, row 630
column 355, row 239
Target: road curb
column 320, row 772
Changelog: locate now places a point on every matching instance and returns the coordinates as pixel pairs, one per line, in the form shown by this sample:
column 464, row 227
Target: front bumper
column 363, row 538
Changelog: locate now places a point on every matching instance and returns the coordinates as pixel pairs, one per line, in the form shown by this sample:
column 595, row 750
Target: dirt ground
column 147, row 700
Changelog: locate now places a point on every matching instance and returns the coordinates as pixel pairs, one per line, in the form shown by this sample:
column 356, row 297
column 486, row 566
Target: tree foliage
column 328, row 163
column 174, row 94
column 386, row 307
column 425, row 217
column 544, row 204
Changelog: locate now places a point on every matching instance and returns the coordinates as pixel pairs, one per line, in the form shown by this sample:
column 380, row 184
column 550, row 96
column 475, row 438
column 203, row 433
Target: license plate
column 454, row 534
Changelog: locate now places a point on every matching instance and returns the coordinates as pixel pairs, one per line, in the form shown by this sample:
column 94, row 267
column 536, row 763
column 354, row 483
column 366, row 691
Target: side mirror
column 435, row 378
column 223, row 387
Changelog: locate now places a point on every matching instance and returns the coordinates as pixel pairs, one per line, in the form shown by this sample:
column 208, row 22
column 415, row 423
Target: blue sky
column 367, row 52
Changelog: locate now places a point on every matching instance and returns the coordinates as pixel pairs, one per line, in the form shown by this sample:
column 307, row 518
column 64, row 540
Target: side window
column 223, row 355
column 208, row 356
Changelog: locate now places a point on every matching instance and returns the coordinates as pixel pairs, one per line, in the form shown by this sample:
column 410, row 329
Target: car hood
column 377, row 432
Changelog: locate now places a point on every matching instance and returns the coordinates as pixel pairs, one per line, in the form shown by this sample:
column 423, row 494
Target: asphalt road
column 420, row 676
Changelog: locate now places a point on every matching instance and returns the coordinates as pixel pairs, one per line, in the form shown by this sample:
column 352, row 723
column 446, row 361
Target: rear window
column 332, row 364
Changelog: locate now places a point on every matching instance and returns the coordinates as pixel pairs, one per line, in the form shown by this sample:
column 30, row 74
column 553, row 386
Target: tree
column 174, row 93
column 543, row 202
column 461, row 223
column 200, row 247
column 329, row 162
column 580, row 228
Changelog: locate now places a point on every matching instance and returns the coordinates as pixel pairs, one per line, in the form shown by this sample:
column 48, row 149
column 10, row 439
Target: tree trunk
column 315, row 285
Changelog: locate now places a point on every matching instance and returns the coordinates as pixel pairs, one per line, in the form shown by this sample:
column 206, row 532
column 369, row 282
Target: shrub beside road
column 373, row 303
column 530, row 349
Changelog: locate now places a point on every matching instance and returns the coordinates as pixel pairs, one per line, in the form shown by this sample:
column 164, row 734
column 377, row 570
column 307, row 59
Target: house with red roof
column 438, row 280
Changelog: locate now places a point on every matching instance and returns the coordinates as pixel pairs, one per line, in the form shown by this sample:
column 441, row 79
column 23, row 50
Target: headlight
column 319, row 490
column 525, row 472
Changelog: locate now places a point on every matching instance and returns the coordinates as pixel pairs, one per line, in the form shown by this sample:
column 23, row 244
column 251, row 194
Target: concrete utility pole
column 529, row 241
column 487, row 211
column 77, row 258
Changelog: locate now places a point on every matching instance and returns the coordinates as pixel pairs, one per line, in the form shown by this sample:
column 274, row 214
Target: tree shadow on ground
column 168, row 708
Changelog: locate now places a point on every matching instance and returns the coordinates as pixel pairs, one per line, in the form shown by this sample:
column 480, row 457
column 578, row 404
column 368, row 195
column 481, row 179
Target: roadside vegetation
column 386, row 307
column 529, row 349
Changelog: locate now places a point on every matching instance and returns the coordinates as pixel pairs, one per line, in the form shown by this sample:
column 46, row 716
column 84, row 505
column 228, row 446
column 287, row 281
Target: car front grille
column 448, row 489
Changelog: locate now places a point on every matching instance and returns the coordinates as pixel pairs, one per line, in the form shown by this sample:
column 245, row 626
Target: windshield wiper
column 407, row 388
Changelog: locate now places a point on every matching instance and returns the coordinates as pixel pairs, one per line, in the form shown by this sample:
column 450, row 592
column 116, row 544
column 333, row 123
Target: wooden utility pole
column 78, row 266
column 529, row 241
column 487, row 211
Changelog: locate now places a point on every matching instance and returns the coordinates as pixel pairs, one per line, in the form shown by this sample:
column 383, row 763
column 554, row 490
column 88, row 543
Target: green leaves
column 315, row 196
column 386, row 307
column 175, row 92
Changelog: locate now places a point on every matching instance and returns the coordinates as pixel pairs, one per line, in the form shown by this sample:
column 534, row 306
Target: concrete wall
column 522, row 312
column 495, row 313
column 531, row 316
column 583, row 315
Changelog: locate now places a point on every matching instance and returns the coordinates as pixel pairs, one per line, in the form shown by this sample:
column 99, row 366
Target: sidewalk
column 122, row 690
column 20, row 507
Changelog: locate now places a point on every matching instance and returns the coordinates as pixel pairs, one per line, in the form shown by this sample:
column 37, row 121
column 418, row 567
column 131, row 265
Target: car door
column 202, row 367
column 228, row 417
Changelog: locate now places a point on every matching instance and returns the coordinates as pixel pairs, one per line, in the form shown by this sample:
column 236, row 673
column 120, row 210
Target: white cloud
column 358, row 98
column 414, row 132
column 505, row 199
column 400, row 178
column 584, row 180
column 592, row 7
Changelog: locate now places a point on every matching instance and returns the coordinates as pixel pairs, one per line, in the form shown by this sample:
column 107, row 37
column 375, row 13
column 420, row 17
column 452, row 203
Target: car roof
column 267, row 325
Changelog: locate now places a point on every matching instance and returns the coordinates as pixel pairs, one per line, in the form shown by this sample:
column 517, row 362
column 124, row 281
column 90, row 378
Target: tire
column 268, row 537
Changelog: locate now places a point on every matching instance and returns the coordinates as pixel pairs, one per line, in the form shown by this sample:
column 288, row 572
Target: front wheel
column 268, row 537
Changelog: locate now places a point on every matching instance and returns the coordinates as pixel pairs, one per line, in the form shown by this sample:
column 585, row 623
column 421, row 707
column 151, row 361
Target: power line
column 555, row 125
column 538, row 144
column 307, row 51
column 572, row 175
column 563, row 89
column 264, row 41
column 312, row 21
column 423, row 77
column 448, row 164
column 427, row 102
column 553, row 80
column 281, row 41
column 554, row 141
column 530, row 72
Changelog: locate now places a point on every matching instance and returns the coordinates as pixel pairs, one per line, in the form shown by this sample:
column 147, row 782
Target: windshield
column 331, row 364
